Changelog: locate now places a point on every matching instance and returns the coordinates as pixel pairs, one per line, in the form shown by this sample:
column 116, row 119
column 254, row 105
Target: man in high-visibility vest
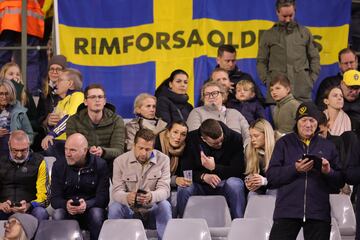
column 10, row 35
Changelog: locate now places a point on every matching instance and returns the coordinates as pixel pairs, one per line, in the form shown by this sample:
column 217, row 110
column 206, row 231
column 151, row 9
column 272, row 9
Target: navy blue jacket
column 302, row 195
column 90, row 183
column 352, row 175
column 251, row 109
column 229, row 159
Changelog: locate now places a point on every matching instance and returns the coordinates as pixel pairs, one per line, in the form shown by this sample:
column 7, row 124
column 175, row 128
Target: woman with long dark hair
column 172, row 104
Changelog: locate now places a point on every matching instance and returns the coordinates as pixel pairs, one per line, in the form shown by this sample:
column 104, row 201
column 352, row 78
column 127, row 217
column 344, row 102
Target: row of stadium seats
column 207, row 217
column 215, row 211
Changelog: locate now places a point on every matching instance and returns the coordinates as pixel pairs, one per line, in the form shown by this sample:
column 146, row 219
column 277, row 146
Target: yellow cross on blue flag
column 131, row 46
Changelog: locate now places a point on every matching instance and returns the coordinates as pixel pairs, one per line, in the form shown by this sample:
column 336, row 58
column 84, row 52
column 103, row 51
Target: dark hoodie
column 251, row 109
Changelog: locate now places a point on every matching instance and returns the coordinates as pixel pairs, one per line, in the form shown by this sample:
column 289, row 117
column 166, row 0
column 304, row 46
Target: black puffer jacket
column 172, row 106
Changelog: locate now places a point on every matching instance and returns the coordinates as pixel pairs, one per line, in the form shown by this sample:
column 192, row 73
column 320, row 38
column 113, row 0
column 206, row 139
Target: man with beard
column 22, row 179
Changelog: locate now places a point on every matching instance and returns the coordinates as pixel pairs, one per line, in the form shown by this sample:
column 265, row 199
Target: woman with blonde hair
column 144, row 109
column 257, row 154
column 11, row 71
column 12, row 115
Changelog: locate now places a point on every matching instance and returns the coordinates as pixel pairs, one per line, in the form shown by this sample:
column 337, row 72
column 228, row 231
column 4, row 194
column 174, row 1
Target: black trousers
column 288, row 229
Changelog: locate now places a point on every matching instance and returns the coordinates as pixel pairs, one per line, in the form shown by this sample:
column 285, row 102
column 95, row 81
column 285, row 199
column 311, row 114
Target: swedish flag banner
column 131, row 46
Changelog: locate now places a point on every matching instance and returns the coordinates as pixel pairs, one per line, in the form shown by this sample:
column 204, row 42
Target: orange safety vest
column 10, row 17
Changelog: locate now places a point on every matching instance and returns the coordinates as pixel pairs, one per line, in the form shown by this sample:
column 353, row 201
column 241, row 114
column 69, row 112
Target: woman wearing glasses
column 11, row 71
column 214, row 96
column 48, row 98
column 12, row 115
column 20, row 226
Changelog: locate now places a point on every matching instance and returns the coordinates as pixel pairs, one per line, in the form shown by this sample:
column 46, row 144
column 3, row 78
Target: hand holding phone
column 75, row 202
column 317, row 160
column 15, row 204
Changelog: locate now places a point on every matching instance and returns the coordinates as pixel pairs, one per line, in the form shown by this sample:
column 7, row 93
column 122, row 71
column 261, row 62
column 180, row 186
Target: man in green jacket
column 288, row 48
column 99, row 123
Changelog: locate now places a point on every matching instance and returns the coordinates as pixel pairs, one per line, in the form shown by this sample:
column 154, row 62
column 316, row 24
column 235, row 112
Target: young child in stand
column 246, row 101
column 286, row 105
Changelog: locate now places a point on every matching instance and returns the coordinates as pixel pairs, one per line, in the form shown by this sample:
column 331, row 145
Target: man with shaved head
column 22, row 179
column 80, row 186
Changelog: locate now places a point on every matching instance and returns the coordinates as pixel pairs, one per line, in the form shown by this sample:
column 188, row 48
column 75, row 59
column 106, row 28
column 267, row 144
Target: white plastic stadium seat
column 129, row 229
column 189, row 229
column 250, row 228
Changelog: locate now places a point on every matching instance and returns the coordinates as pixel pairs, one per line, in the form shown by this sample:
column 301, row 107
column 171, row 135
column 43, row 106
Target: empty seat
column 250, row 228
column 260, row 206
column 214, row 210
column 189, row 229
column 129, row 229
column 59, row 230
column 342, row 210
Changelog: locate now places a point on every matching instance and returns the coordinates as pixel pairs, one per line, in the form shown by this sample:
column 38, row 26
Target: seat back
column 343, row 212
column 260, row 206
column 59, row 230
column 250, row 228
column 213, row 209
column 129, row 229
column 49, row 161
column 189, row 229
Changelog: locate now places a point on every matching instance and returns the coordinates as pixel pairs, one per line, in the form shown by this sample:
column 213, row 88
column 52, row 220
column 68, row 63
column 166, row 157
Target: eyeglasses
column 22, row 151
column 55, row 70
column 10, row 222
column 212, row 94
column 93, row 97
column 4, row 94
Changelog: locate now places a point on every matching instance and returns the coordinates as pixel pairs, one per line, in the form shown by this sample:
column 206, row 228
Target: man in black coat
column 214, row 154
column 80, row 186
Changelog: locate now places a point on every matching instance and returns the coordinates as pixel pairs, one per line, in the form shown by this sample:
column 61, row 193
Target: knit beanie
column 307, row 109
column 58, row 59
column 28, row 222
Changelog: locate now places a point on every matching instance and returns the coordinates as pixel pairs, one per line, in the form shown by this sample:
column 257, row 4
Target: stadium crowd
column 227, row 145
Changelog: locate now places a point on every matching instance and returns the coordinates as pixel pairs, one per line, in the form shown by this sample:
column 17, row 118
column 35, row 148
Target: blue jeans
column 39, row 212
column 232, row 189
column 158, row 215
column 92, row 219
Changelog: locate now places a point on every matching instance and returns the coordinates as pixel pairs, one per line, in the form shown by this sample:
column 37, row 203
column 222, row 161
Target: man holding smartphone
column 141, row 184
column 303, row 185
column 22, row 179
column 80, row 186
column 215, row 155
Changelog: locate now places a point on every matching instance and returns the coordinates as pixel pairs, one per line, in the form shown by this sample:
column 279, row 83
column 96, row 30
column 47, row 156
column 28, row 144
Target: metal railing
column 24, row 47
